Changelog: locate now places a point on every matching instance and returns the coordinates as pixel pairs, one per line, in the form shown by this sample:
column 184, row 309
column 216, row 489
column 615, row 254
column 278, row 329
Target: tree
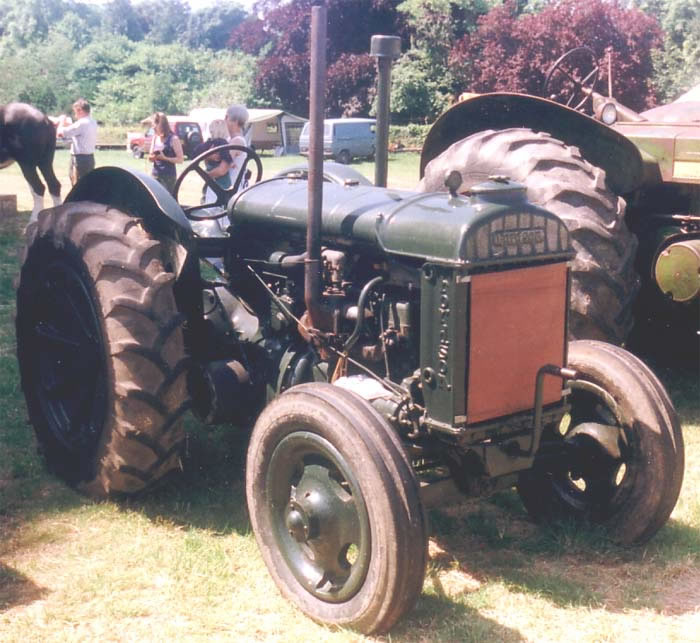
column 676, row 64
column 45, row 78
column 281, row 39
column 29, row 21
column 166, row 20
column 515, row 51
column 350, row 85
column 229, row 78
column 211, row 27
column 120, row 18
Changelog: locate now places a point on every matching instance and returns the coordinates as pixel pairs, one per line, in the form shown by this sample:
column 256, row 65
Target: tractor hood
column 494, row 224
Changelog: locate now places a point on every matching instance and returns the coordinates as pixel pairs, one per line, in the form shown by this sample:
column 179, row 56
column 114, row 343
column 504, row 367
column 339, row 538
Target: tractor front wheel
column 100, row 349
column 335, row 508
column 620, row 460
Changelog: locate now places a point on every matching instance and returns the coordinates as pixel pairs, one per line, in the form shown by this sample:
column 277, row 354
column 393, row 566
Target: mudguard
column 598, row 143
column 136, row 193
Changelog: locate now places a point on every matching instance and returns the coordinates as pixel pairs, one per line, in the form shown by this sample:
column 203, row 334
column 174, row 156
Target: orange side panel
column 517, row 324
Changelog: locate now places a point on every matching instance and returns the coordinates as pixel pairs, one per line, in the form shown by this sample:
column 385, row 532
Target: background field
column 181, row 564
column 402, row 171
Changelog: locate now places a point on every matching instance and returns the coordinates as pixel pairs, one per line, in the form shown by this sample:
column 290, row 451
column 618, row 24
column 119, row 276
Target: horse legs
column 52, row 182
column 36, row 187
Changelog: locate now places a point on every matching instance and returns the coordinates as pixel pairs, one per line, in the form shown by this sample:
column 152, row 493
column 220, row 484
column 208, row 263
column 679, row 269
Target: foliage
column 111, row 53
column 515, row 51
column 152, row 78
column 44, row 80
column 211, row 27
column 281, row 39
column 350, row 85
column 415, row 95
column 676, row 64
column 229, row 78
column 124, row 59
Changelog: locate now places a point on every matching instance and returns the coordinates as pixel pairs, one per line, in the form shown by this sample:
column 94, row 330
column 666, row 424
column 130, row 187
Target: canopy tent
column 267, row 128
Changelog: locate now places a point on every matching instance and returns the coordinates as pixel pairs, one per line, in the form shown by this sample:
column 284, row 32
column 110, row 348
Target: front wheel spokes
column 334, row 525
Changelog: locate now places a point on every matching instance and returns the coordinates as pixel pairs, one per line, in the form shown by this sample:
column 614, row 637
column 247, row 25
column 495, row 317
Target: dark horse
column 29, row 137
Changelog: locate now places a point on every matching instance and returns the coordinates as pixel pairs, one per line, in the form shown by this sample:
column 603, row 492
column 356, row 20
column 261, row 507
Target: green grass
column 402, row 170
column 180, row 563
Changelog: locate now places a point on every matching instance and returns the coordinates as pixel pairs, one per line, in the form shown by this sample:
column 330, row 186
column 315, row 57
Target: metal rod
column 385, row 49
column 317, row 90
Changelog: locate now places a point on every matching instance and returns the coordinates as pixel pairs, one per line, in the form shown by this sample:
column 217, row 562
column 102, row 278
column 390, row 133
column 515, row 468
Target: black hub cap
column 319, row 516
column 65, row 349
column 590, row 477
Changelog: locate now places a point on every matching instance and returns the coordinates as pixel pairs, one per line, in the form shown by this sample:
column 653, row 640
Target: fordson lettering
column 444, row 343
column 516, row 238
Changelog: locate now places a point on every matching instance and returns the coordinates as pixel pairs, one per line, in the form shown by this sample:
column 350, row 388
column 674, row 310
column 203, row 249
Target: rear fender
column 142, row 196
column 599, row 144
column 138, row 194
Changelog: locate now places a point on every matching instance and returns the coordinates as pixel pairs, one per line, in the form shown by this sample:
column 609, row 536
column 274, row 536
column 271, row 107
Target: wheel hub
column 321, row 523
column 299, row 523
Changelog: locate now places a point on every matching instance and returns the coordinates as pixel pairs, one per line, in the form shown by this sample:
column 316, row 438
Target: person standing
column 236, row 121
column 165, row 153
column 83, row 135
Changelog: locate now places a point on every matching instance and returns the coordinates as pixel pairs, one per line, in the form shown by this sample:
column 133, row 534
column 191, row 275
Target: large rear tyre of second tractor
column 335, row 508
column 604, row 281
column 100, row 349
column 625, row 459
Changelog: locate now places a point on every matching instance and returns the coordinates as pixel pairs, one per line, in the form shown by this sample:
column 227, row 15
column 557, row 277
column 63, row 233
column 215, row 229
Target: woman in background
column 165, row 153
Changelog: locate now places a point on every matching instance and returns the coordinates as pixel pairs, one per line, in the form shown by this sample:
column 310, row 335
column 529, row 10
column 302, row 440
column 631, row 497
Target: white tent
column 267, row 128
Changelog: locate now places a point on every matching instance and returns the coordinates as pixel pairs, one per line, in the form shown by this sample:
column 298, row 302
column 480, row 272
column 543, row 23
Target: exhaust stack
column 317, row 91
column 385, row 49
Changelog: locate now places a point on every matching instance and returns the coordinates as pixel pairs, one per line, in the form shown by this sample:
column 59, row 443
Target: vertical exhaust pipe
column 317, row 91
column 385, row 49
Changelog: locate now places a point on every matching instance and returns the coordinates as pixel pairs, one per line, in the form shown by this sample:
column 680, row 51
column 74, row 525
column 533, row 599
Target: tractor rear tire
column 560, row 180
column 100, row 349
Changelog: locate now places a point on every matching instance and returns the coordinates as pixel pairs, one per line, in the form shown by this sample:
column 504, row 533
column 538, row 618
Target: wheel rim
column 318, row 515
column 65, row 347
column 591, row 478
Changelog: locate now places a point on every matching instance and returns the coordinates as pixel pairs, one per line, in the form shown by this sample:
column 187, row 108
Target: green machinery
column 384, row 343
column 434, row 350
column 627, row 186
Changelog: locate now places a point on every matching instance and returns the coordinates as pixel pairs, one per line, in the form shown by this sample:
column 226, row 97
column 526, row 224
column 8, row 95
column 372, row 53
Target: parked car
column 187, row 130
column 344, row 138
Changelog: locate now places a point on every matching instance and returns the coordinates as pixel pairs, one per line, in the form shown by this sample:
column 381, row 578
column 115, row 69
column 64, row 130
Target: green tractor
column 627, row 185
column 424, row 345
column 385, row 344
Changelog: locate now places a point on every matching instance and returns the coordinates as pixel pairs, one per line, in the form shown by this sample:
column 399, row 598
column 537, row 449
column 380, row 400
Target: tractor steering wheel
column 223, row 195
column 572, row 78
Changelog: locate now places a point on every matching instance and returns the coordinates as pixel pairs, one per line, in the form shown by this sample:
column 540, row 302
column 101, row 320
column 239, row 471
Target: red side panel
column 517, row 324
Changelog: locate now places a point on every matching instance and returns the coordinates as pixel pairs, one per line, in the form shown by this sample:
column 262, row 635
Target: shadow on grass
column 209, row 493
column 16, row 589
column 454, row 622
column 566, row 563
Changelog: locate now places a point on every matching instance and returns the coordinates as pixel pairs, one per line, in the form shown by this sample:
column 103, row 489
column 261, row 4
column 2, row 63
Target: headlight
column 608, row 114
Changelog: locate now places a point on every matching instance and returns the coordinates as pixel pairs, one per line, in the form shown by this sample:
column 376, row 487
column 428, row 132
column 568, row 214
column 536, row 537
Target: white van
column 344, row 138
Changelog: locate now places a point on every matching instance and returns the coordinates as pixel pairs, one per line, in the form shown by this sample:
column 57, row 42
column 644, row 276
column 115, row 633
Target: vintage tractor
column 626, row 185
column 397, row 341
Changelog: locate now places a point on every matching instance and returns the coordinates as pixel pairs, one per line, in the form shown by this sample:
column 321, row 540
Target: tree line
column 130, row 59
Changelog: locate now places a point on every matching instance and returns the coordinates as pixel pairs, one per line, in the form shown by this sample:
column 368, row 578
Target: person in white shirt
column 236, row 120
column 83, row 135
